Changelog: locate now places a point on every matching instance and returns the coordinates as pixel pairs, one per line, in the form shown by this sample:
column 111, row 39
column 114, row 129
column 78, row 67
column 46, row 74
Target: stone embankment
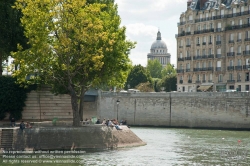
column 47, row 137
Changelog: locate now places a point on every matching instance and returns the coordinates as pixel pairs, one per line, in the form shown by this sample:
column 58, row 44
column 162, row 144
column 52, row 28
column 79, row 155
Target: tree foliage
column 168, row 83
column 12, row 97
column 168, row 70
column 74, row 46
column 145, row 87
column 155, row 68
column 138, row 75
column 11, row 30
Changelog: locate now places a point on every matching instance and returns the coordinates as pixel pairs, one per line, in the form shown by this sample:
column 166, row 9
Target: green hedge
column 12, row 97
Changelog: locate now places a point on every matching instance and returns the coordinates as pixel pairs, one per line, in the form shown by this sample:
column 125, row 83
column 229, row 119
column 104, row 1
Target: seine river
column 171, row 147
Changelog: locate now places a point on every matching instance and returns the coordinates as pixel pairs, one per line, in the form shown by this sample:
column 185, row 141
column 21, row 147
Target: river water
column 169, row 147
column 172, row 147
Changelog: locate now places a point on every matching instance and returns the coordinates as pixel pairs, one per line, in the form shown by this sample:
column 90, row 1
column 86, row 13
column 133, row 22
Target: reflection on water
column 172, row 147
column 179, row 147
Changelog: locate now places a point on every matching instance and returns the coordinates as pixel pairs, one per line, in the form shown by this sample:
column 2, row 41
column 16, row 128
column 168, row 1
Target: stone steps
column 6, row 138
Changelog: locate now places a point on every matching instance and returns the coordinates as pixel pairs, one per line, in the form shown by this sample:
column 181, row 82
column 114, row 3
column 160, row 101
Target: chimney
column 189, row 3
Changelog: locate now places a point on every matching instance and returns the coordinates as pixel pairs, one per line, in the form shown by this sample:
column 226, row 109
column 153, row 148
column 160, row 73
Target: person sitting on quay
column 110, row 124
column 104, row 122
column 98, row 121
column 22, row 126
column 28, row 125
column 12, row 122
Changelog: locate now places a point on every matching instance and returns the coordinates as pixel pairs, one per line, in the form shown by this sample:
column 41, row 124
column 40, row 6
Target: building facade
column 213, row 46
column 159, row 51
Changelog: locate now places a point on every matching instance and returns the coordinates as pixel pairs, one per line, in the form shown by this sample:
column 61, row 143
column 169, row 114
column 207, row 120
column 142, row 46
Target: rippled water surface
column 179, row 147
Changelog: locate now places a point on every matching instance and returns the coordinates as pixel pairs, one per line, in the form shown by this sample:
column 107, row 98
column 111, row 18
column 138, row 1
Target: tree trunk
column 74, row 104
column 81, row 103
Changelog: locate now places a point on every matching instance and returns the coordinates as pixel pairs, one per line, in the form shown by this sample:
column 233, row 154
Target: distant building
column 159, row 51
column 213, row 46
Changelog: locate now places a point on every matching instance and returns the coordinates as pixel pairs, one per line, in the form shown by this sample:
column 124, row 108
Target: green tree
column 155, row 68
column 168, row 83
column 12, row 97
column 168, row 70
column 74, row 46
column 137, row 75
column 11, row 31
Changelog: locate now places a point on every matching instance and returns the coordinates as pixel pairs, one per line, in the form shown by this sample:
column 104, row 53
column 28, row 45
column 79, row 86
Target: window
column 203, row 64
column 231, row 63
column 203, row 52
column 181, row 66
column 198, row 40
column 188, row 41
column 248, row 21
column 198, row 65
column 220, row 78
column 210, row 51
column 209, row 64
column 197, row 52
column 240, row 21
column 181, row 55
column 247, row 34
column 242, row 9
column 234, row 11
column 231, row 49
column 204, row 26
column 210, row 77
column 211, row 25
column 200, row 16
column 198, row 27
column 239, row 62
column 190, row 17
column 238, row 77
column 247, row 48
column 231, row 36
column 230, row 76
column 204, row 39
column 218, row 38
column 206, row 15
column 198, row 77
column 204, row 77
column 232, row 23
column 189, row 77
column 218, row 63
column 239, row 50
column 239, row 36
column 210, row 39
column 222, row 13
column 188, row 66
column 247, row 87
column 219, row 51
column 188, row 54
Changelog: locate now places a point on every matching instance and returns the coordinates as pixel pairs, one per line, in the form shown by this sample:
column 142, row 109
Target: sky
column 143, row 18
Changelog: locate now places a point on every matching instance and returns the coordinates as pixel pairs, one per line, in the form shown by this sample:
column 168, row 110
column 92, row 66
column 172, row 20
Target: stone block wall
column 201, row 109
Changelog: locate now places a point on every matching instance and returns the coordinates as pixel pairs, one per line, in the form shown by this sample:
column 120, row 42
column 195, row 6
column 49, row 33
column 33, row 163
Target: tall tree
column 155, row 68
column 137, row 75
column 11, row 31
column 74, row 46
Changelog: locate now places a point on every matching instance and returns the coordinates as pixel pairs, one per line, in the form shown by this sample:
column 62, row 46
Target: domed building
column 159, row 51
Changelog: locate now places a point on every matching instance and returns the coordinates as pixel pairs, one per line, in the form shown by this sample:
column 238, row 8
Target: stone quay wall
column 197, row 109
column 42, row 105
column 74, row 138
column 194, row 110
